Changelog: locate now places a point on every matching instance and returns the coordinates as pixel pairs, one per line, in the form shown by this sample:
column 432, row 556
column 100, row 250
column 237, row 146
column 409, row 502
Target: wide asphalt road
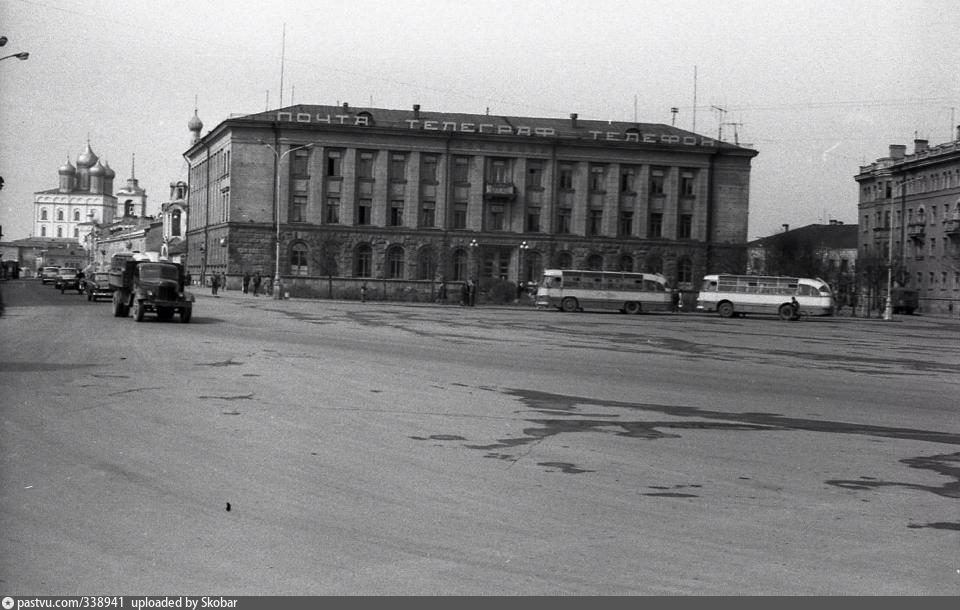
column 305, row 447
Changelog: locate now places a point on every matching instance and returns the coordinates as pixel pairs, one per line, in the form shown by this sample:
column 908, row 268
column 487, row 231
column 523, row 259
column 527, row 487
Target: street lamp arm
column 22, row 55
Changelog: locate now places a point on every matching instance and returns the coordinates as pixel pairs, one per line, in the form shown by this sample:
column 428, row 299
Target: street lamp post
column 523, row 246
column 276, row 276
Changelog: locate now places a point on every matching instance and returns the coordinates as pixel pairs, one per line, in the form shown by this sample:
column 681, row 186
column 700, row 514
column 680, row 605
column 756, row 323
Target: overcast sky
column 817, row 87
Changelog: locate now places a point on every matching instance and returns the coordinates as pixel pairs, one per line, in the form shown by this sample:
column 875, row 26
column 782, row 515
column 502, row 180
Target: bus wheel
column 786, row 312
column 631, row 308
column 725, row 309
column 569, row 304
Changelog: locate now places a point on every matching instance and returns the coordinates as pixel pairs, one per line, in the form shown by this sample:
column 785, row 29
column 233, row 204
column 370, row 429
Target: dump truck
column 142, row 286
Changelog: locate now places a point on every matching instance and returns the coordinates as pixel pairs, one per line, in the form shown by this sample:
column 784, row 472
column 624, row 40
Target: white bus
column 731, row 295
column 577, row 290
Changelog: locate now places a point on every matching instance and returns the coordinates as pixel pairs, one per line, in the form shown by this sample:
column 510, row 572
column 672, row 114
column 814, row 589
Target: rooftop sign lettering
column 363, row 120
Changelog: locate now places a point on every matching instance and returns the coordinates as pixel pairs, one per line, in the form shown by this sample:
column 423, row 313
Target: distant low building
column 827, row 251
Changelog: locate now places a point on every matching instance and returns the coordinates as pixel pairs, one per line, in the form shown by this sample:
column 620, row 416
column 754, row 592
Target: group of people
column 255, row 281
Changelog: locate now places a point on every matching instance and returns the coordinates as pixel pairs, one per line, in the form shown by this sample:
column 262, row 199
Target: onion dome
column 194, row 124
column 108, row 173
column 88, row 158
column 98, row 169
column 67, row 169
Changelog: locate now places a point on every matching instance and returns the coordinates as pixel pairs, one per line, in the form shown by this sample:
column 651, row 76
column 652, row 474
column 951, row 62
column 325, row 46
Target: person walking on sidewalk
column 215, row 284
column 256, row 283
column 246, row 282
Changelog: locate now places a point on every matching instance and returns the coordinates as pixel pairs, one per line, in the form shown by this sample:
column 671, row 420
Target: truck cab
column 144, row 286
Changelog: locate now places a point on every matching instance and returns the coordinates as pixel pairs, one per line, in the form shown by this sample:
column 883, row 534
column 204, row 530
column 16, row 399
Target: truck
column 142, row 286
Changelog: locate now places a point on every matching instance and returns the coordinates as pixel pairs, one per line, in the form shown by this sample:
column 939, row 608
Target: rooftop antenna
column 694, row 99
column 283, row 50
column 723, row 113
column 268, row 100
column 736, row 135
column 673, row 120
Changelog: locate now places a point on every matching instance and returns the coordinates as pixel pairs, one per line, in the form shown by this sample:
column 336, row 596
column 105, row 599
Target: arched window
column 175, row 223
column 298, row 259
column 654, row 264
column 460, row 261
column 564, row 260
column 76, row 232
column 76, row 215
column 626, row 263
column 59, row 214
column 395, row 263
column 685, row 271
column 59, row 231
column 533, row 267
column 363, row 266
column 595, row 262
column 427, row 264
column 43, row 231
column 43, row 214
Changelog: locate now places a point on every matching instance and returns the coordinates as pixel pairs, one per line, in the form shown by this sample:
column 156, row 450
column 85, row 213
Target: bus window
column 709, row 286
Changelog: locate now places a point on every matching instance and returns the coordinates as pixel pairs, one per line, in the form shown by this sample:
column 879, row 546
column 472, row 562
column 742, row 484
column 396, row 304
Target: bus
column 578, row 290
column 731, row 295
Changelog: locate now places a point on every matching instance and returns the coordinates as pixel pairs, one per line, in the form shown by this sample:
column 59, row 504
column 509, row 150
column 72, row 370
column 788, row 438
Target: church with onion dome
column 84, row 199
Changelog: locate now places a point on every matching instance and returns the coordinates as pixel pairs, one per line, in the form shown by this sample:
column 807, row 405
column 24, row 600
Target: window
column 59, row 231
column 566, row 177
column 76, row 215
column 563, row 220
column 364, row 261
column 428, row 214
column 461, row 170
column 533, row 220
column 657, row 182
column 628, row 179
column 428, row 168
column 175, row 219
column 298, row 166
column 395, row 263
column 298, row 259
column 495, row 217
column 460, row 260
column 76, row 232
column 625, row 223
column 333, row 211
column 364, row 209
column 500, row 171
column 460, row 215
column 396, row 213
column 654, row 264
column 43, row 231
column 594, row 222
column 427, row 264
column 595, row 262
column 565, row 260
column 298, row 208
column 535, row 175
column 656, row 225
column 598, row 179
column 59, row 214
column 334, row 164
column 365, row 165
column 625, row 263
column 43, row 214
column 685, row 271
column 685, row 226
column 398, row 167
column 687, row 184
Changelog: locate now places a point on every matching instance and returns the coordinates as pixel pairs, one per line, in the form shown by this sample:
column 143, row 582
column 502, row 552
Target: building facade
column 402, row 199
column 909, row 210
column 84, row 196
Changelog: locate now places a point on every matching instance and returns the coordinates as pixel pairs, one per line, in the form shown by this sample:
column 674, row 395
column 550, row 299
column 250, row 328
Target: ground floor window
column 298, row 260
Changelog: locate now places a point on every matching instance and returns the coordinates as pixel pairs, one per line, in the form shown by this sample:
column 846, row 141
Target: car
column 68, row 278
column 48, row 275
column 96, row 284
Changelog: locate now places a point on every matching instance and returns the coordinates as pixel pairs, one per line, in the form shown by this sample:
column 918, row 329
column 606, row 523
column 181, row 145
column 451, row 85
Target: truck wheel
column 138, row 310
column 569, row 304
column 631, row 307
column 786, row 312
column 725, row 309
column 185, row 315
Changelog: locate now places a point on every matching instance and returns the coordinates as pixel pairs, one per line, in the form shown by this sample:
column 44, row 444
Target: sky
column 818, row 88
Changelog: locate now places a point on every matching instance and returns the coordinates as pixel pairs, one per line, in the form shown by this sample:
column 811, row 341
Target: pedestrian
column 675, row 300
column 215, row 283
column 267, row 284
column 363, row 292
column 442, row 292
column 256, row 283
column 246, row 281
column 472, row 292
column 464, row 294
column 223, row 280
column 796, row 308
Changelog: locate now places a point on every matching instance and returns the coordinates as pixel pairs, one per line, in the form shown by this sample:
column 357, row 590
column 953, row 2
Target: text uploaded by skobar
column 190, row 603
